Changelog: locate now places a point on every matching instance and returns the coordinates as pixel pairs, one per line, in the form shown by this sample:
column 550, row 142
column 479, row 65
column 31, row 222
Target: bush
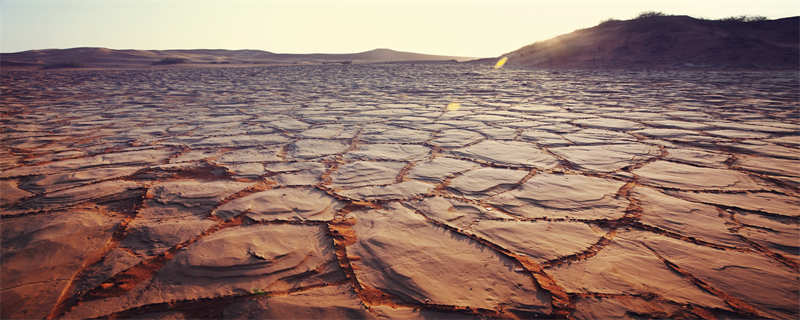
column 650, row 14
column 744, row 19
column 607, row 21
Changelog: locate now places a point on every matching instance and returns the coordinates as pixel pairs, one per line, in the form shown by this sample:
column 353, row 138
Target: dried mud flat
column 352, row 192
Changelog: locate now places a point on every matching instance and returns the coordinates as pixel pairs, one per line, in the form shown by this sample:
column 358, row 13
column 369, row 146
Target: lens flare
column 500, row 62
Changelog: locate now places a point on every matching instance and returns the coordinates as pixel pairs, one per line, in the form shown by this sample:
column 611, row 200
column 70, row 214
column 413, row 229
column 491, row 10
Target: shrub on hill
column 608, row 21
column 650, row 14
column 744, row 19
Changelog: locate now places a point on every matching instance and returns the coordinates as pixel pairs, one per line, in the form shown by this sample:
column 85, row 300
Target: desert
column 123, row 197
column 399, row 189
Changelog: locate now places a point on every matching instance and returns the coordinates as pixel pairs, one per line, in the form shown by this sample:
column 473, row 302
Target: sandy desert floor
column 354, row 192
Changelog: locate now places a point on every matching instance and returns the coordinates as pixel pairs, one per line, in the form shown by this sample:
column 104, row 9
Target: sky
column 467, row 28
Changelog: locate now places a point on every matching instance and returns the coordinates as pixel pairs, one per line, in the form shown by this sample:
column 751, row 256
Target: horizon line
column 227, row 49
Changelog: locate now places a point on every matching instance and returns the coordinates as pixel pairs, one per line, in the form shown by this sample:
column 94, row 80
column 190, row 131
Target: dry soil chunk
column 153, row 236
column 455, row 213
column 686, row 177
column 128, row 158
column 290, row 124
column 399, row 191
column 99, row 192
column 250, row 251
column 331, row 302
column 789, row 140
column 679, row 124
column 59, row 181
column 627, row 267
column 194, row 155
column 247, row 170
column 755, row 279
column 251, row 155
column 771, row 166
column 439, row 168
column 366, row 173
column 400, row 135
column 195, row 193
column 10, row 193
column 329, row 132
column 509, row 153
column 282, row 204
column 697, row 157
column 401, row 254
column 455, row 138
column 664, row 133
column 690, row 219
column 541, row 241
column 40, row 255
column 242, row 140
column 779, row 235
column 314, row 148
column 606, row 158
column 623, row 307
column 754, row 201
column 297, row 173
column 738, row 134
column 232, row 261
column 768, row 150
column 487, row 181
column 598, row 136
column 557, row 195
column 385, row 151
column 544, row 138
column 608, row 123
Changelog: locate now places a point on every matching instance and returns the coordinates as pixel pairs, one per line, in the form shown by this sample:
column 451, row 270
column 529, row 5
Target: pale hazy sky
column 450, row 27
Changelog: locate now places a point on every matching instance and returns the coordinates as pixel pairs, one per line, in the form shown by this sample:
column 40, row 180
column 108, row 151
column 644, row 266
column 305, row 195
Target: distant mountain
column 661, row 41
column 102, row 57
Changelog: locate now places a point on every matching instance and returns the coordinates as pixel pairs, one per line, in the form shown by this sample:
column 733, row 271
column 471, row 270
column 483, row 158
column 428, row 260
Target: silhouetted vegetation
column 744, row 19
column 653, row 14
column 62, row 65
column 650, row 14
column 171, row 61
column 609, row 20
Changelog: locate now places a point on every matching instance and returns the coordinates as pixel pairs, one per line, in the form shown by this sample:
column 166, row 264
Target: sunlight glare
column 500, row 62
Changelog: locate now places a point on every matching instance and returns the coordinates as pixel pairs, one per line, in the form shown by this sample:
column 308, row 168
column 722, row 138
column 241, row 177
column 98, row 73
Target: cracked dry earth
column 352, row 192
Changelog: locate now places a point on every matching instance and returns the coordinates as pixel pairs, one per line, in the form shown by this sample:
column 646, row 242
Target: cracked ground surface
column 352, row 192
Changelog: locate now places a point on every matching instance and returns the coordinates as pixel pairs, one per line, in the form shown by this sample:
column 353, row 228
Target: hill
column 103, row 57
column 659, row 41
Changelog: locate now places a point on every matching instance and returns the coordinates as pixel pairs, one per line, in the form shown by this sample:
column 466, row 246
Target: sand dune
column 103, row 57
column 670, row 41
